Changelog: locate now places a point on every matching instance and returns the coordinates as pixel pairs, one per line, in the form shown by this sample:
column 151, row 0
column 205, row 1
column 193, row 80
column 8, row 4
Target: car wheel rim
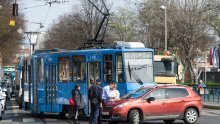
column 136, row 118
column 191, row 116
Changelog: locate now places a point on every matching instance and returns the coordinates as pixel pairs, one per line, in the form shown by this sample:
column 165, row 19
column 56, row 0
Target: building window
column 64, row 69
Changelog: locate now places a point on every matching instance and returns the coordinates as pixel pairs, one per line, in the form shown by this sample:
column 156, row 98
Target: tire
column 62, row 115
column 112, row 122
column 190, row 116
column 168, row 121
column 134, row 117
column 20, row 106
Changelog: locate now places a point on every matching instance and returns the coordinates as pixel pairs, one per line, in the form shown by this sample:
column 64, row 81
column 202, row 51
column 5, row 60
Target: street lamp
column 165, row 19
column 31, row 41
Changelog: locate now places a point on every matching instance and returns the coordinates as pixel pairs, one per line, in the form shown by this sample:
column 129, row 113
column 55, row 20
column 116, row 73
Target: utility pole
column 29, row 36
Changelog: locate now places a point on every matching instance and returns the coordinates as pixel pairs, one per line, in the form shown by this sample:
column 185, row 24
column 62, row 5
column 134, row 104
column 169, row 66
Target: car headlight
column 121, row 105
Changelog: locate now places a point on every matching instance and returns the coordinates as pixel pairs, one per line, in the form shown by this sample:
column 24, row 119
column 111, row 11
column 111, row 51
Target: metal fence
column 209, row 94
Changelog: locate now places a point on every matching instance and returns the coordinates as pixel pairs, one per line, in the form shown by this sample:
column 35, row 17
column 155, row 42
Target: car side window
column 158, row 94
column 176, row 92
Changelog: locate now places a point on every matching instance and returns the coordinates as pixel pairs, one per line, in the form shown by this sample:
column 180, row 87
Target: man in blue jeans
column 95, row 97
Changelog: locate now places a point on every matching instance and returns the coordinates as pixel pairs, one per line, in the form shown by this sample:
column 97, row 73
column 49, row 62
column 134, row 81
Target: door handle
column 163, row 103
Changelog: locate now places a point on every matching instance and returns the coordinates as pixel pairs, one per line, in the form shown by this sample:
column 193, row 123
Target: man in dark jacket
column 79, row 103
column 95, row 97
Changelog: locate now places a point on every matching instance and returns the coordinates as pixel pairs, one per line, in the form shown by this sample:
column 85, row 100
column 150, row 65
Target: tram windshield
column 139, row 67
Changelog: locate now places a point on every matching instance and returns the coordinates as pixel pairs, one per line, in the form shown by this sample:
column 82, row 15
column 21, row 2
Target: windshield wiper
column 141, row 67
column 131, row 72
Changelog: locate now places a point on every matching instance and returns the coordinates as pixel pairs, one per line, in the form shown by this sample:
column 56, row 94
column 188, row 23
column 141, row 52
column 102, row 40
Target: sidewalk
column 211, row 105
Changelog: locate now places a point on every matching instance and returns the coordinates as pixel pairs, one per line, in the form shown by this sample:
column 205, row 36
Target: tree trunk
column 191, row 71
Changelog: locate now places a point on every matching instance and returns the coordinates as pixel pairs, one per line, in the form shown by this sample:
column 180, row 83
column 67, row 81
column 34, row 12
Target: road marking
column 4, row 121
column 28, row 120
column 49, row 119
column 14, row 111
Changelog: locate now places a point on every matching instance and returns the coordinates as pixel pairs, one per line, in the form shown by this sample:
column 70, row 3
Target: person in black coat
column 79, row 103
column 95, row 97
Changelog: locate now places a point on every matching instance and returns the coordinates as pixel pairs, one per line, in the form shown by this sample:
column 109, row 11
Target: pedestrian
column 79, row 103
column 106, row 91
column 200, row 87
column 95, row 97
column 114, row 94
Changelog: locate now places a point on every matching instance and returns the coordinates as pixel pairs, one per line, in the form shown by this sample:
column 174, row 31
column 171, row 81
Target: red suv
column 166, row 103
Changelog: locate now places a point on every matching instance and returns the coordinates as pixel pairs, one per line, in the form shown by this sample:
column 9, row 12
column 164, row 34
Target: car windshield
column 137, row 93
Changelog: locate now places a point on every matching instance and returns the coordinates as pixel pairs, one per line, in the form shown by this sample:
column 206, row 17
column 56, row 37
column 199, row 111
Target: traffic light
column 12, row 22
column 15, row 9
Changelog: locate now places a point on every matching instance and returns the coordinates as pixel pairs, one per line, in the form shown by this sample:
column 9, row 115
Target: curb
column 211, row 107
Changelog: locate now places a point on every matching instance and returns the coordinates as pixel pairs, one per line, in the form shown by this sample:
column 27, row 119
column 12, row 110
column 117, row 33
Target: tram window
column 93, row 72
column 119, row 69
column 29, row 73
column 41, row 70
column 79, row 69
column 108, row 68
column 25, row 72
column 64, row 69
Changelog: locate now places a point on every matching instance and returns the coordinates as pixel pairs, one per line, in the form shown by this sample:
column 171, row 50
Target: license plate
column 105, row 113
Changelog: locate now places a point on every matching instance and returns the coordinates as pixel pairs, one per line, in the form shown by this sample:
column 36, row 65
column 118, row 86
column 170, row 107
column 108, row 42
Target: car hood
column 115, row 103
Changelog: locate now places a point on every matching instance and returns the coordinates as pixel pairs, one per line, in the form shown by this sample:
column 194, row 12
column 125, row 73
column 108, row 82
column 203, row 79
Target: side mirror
column 150, row 99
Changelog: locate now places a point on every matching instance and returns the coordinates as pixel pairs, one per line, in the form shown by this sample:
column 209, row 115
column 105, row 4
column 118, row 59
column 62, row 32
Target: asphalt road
column 13, row 115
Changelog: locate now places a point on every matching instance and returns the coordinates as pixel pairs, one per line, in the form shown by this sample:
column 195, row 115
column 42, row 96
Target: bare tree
column 10, row 39
column 188, row 29
column 73, row 29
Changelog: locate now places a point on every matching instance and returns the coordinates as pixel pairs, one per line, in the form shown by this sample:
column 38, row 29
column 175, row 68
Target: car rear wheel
column 168, row 121
column 191, row 116
column 134, row 117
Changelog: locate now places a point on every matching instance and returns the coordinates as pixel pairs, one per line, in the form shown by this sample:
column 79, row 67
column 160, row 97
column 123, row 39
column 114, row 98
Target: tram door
column 93, row 74
column 51, row 88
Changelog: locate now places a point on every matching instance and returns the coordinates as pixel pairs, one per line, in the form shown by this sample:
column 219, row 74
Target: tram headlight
column 121, row 105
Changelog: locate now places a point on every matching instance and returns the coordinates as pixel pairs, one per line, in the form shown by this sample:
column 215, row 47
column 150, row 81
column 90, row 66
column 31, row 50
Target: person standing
column 79, row 103
column 95, row 97
column 114, row 94
column 106, row 91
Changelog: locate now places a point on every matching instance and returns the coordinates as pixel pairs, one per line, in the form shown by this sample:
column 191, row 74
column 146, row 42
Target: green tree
column 124, row 25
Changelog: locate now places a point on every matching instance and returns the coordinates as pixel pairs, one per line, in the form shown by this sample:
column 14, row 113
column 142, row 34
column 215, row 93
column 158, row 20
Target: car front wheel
column 191, row 116
column 134, row 117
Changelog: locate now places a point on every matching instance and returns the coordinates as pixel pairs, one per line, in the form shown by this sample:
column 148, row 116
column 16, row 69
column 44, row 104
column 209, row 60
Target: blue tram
column 49, row 76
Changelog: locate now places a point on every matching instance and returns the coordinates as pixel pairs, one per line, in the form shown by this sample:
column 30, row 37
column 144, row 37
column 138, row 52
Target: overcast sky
column 38, row 11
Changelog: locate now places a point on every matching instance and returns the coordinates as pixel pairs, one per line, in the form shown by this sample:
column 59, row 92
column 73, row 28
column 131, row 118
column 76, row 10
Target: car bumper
column 114, row 115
